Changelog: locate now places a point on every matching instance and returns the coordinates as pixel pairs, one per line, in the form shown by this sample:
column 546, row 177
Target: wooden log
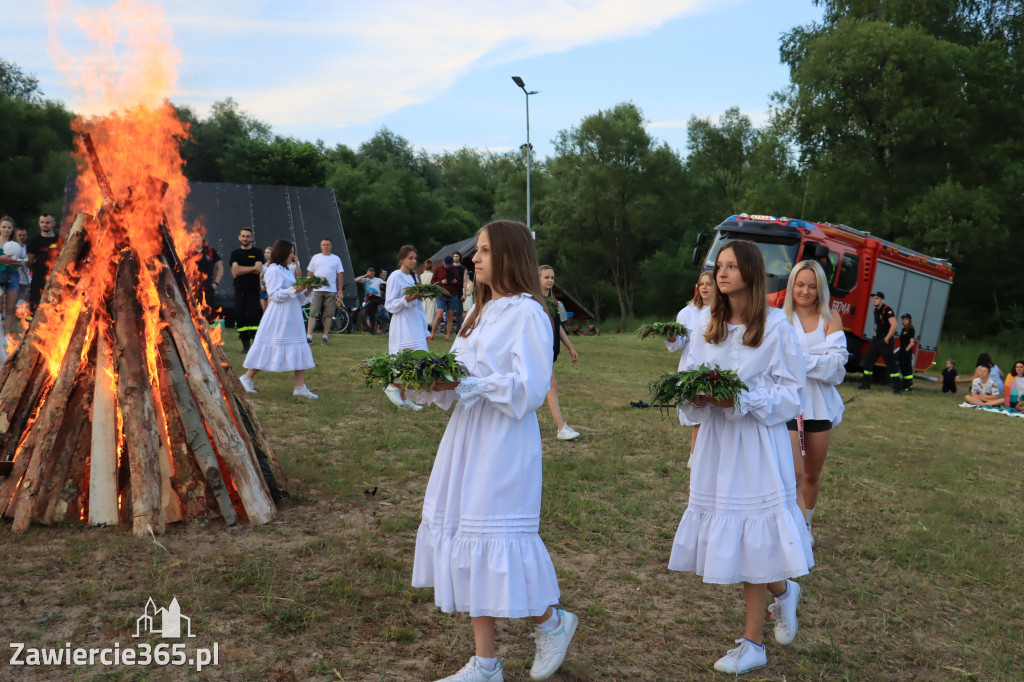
column 73, row 502
column 187, row 478
column 37, row 385
column 103, row 441
column 207, row 391
column 16, row 374
column 136, row 399
column 31, row 504
column 9, row 488
column 74, row 429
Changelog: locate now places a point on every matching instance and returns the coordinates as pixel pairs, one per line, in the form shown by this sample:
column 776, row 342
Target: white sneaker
column 474, row 673
column 394, row 394
column 309, row 338
column 410, row 405
column 303, row 392
column 551, row 647
column 783, row 612
column 247, row 383
column 744, row 658
column 567, row 433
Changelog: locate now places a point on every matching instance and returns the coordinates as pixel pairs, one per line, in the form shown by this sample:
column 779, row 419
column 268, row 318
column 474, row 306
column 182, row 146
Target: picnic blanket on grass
column 998, row 410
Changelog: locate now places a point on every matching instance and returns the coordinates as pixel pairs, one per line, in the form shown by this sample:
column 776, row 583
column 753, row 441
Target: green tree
column 210, row 139
column 610, row 198
column 14, row 82
column 279, row 161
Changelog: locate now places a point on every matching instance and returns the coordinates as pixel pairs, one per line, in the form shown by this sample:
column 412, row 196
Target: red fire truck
column 856, row 265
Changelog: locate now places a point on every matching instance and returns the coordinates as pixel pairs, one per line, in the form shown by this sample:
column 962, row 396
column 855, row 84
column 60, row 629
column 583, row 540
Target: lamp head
column 519, row 81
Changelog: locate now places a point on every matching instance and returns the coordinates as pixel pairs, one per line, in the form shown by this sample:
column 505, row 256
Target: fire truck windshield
column 779, row 255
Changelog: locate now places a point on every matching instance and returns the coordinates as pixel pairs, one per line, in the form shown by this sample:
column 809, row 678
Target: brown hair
column 281, row 251
column 405, row 251
column 428, row 264
column 513, row 267
column 697, row 301
column 8, row 219
column 752, row 270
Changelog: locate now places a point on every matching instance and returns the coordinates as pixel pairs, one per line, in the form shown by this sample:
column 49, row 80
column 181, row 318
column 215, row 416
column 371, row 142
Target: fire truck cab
column 856, row 264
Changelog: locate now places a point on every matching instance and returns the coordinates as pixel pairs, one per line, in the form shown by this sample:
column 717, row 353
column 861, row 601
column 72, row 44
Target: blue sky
column 438, row 73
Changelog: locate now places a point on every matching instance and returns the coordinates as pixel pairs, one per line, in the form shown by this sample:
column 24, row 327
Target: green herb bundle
column 314, row 281
column 415, row 369
column 426, row 291
column 674, row 388
column 663, row 329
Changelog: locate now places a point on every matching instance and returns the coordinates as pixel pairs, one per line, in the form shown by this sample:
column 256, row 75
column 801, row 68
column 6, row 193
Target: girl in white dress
column 408, row 321
column 689, row 317
column 820, row 332
column 478, row 544
column 280, row 342
column 429, row 304
column 742, row 523
column 547, row 283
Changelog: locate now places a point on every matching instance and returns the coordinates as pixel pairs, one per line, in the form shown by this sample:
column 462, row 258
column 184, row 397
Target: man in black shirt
column 246, row 266
column 881, row 345
column 908, row 344
column 211, row 271
column 42, row 253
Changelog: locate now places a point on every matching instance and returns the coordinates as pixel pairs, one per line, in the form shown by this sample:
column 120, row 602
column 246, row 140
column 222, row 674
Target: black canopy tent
column 302, row 215
column 467, row 249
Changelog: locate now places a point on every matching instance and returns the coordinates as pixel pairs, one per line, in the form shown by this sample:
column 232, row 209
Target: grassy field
column 919, row 547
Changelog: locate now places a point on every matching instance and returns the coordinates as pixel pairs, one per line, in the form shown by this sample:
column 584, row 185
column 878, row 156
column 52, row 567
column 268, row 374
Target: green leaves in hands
column 415, row 369
column 674, row 388
column 663, row 329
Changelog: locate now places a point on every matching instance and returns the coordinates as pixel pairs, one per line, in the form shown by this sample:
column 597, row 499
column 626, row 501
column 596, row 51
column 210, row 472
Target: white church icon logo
column 164, row 622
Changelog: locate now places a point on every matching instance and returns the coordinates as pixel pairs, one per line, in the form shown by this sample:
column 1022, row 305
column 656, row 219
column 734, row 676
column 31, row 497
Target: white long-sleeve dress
column 742, row 522
column 280, row 342
column 825, row 358
column 408, row 321
column 478, row 544
column 689, row 317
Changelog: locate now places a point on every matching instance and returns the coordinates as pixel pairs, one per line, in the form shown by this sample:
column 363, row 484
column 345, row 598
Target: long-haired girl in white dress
column 742, row 523
column 820, row 332
column 408, row 321
column 280, row 342
column 689, row 317
column 478, row 544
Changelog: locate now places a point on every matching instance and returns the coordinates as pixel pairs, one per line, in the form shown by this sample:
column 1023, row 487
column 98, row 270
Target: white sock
column 551, row 623
column 785, row 593
column 487, row 664
column 808, row 515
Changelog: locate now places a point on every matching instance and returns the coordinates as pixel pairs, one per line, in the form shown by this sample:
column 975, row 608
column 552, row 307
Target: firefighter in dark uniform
column 908, row 344
column 246, row 266
column 881, row 345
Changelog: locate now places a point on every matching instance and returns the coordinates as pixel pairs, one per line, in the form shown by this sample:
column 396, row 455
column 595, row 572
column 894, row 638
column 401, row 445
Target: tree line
column 902, row 118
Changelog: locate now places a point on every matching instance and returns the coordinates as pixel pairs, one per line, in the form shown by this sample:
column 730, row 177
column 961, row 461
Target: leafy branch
column 426, row 291
column 675, row 388
column 663, row 329
column 415, row 369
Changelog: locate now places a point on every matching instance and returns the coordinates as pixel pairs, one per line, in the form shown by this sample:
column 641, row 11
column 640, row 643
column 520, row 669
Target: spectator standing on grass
column 823, row 344
column 689, row 317
column 478, row 545
column 908, row 344
column 450, row 277
column 10, row 281
column 246, row 267
column 327, row 298
column 429, row 304
column 210, row 267
column 371, row 297
column 558, row 318
column 24, row 276
column 742, row 522
column 42, row 253
column 279, row 344
column 263, row 284
column 881, row 346
column 408, row 322
column 985, row 390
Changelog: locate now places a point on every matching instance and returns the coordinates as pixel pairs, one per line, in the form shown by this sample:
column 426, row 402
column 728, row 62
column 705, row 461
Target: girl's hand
column 298, row 288
column 699, row 400
column 575, row 356
column 671, row 339
column 445, row 385
column 412, row 297
column 722, row 403
column 703, row 401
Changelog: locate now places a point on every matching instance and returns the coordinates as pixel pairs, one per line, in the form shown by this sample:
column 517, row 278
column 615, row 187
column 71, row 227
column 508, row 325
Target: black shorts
column 811, row 425
column 949, row 389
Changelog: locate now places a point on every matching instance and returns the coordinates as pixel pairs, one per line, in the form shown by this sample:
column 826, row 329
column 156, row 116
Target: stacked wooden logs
column 102, row 440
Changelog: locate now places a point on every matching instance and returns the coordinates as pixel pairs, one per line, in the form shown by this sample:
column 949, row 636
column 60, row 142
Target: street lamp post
column 529, row 147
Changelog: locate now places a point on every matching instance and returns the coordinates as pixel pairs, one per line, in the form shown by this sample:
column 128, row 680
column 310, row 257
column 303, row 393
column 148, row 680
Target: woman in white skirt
column 408, row 321
column 742, row 523
column 429, row 304
column 478, row 545
column 280, row 342
column 820, row 332
column 689, row 317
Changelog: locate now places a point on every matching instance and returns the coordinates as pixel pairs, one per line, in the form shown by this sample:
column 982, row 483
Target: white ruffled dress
column 408, row 321
column 280, row 342
column 825, row 359
column 742, row 522
column 478, row 544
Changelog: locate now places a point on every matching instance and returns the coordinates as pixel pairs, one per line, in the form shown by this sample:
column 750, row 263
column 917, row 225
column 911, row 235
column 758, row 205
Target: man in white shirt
column 327, row 265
